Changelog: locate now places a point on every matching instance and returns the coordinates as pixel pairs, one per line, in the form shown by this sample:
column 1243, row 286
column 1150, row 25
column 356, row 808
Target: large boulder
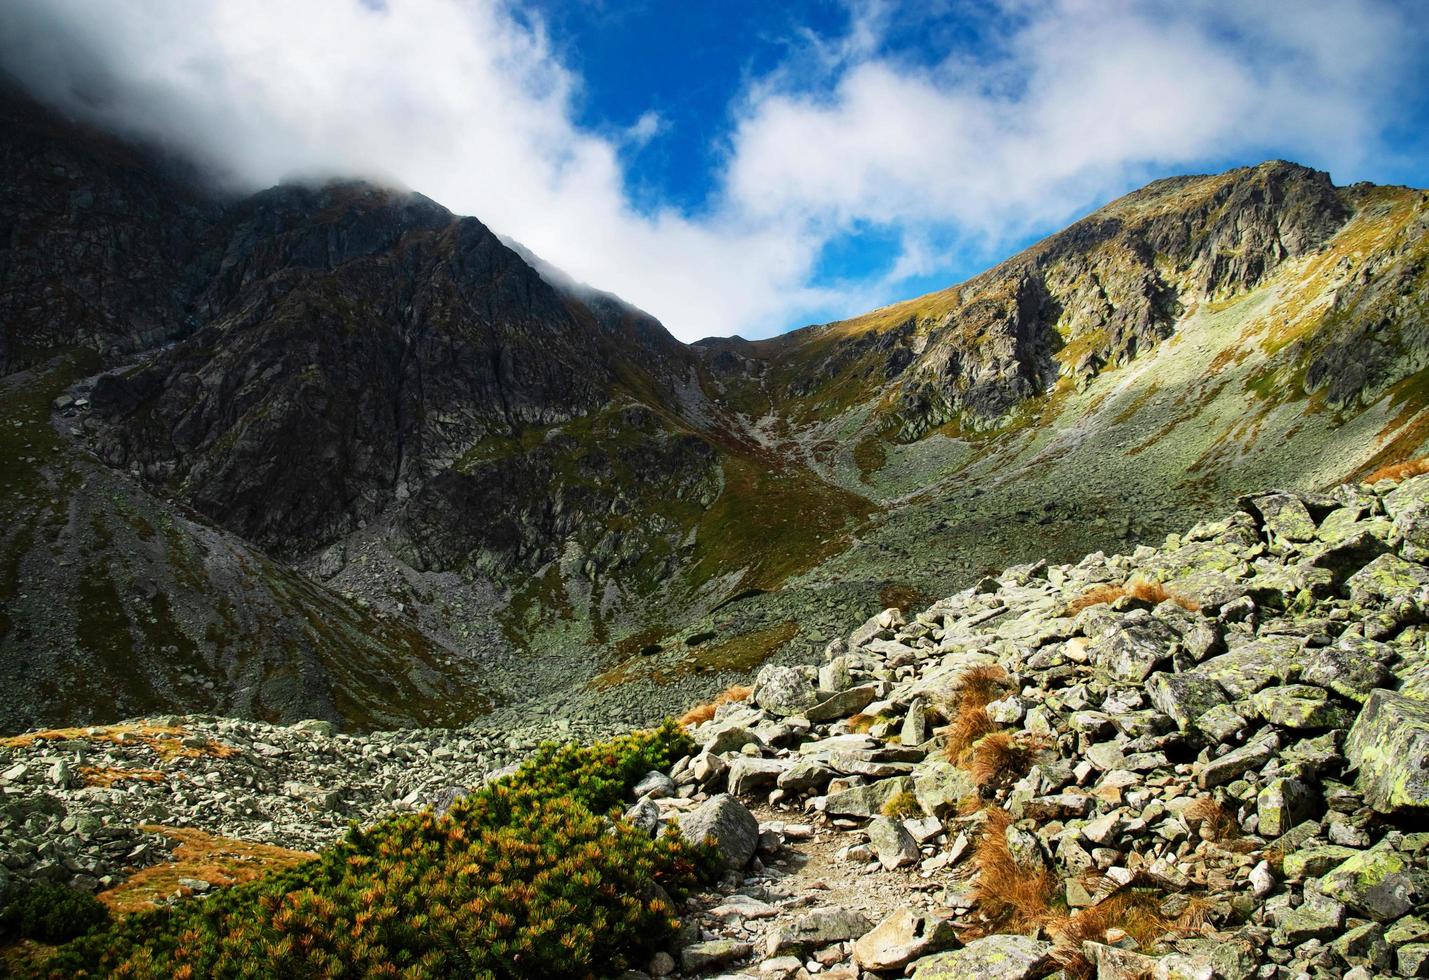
column 1386, row 578
column 817, row 929
column 784, row 690
column 991, row 958
column 866, row 800
column 1185, row 697
column 902, row 936
column 1378, row 884
column 729, row 823
column 1389, row 745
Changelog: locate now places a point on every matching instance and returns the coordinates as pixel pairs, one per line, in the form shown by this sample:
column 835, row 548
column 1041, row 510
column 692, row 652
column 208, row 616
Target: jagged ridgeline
column 334, row 451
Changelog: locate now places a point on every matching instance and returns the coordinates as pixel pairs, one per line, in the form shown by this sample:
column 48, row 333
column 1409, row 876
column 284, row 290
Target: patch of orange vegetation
column 702, row 713
column 220, row 861
column 1150, row 592
column 167, row 741
column 1003, row 757
column 1400, row 471
column 109, row 775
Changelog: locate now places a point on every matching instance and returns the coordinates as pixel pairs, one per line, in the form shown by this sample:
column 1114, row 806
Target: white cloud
column 1077, row 100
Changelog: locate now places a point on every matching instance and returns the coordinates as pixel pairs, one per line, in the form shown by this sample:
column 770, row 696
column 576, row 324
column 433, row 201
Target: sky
column 740, row 166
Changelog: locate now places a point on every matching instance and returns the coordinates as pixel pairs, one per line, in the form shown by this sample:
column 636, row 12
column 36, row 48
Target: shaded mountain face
column 532, row 491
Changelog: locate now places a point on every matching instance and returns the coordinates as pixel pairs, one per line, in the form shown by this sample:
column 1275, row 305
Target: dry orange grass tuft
column 109, row 775
column 165, row 740
column 702, row 713
column 1400, row 471
column 217, row 860
column 1002, row 757
column 1212, row 818
column 974, row 689
column 862, row 723
column 982, row 685
column 970, row 724
column 1153, row 593
column 1137, row 913
column 1010, row 898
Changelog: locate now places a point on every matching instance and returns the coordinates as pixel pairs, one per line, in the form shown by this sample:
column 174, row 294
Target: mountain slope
column 545, row 490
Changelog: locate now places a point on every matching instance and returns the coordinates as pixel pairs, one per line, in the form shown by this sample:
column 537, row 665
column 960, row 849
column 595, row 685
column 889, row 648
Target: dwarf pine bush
column 528, row 877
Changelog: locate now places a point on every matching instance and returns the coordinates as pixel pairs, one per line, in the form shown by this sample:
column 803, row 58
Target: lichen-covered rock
column 1282, row 804
column 1185, row 697
column 941, row 786
column 1389, row 746
column 784, row 690
column 866, row 800
column 1131, row 652
column 733, row 827
column 1299, row 706
column 816, row 930
column 1378, row 883
column 1006, row 957
column 891, row 843
column 1386, row 578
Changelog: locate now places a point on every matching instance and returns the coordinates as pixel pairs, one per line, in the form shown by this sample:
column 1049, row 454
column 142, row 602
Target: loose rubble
column 1206, row 760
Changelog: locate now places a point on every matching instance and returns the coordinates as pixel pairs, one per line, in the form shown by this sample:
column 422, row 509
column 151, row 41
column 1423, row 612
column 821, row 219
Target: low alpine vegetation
column 530, row 876
column 1151, row 593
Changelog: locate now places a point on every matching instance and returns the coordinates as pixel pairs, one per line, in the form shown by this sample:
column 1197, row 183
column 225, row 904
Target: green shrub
column 48, row 913
column 527, row 877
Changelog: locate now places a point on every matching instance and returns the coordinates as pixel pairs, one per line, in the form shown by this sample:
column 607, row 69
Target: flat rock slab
column 991, row 958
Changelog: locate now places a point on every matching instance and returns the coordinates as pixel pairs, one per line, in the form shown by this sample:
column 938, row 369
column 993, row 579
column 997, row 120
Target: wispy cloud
column 1065, row 103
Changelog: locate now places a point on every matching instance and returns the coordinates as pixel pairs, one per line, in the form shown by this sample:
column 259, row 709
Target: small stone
column 893, row 845
column 712, row 953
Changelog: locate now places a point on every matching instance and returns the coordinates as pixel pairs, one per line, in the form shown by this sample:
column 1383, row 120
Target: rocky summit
column 1206, row 759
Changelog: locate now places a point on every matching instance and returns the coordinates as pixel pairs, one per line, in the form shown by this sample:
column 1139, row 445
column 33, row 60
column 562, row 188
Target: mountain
column 385, row 416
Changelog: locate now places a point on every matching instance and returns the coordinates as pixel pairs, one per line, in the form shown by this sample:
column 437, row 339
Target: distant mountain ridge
column 569, row 508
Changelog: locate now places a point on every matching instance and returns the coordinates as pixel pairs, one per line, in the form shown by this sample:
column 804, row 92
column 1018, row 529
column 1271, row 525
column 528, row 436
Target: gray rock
column 841, row 705
column 733, row 827
column 1378, row 883
column 1282, row 804
column 805, row 775
column 1132, row 652
column 1389, row 746
column 815, row 930
column 1252, row 755
column 1185, row 697
column 902, row 936
column 746, row 774
column 893, row 845
column 712, row 954
column 941, row 786
column 866, row 800
column 655, row 785
column 784, row 690
column 991, row 958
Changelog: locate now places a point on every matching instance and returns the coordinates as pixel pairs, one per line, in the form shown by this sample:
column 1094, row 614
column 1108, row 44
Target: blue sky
column 744, row 167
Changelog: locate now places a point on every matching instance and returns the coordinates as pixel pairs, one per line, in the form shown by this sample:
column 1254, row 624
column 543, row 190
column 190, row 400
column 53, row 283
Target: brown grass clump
column 981, row 685
column 1212, row 817
column 166, row 741
column 220, row 861
column 1136, row 912
column 109, row 775
column 972, row 723
column 1153, row 593
column 1400, row 471
column 1010, row 898
column 702, row 713
column 974, row 690
column 1002, row 757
